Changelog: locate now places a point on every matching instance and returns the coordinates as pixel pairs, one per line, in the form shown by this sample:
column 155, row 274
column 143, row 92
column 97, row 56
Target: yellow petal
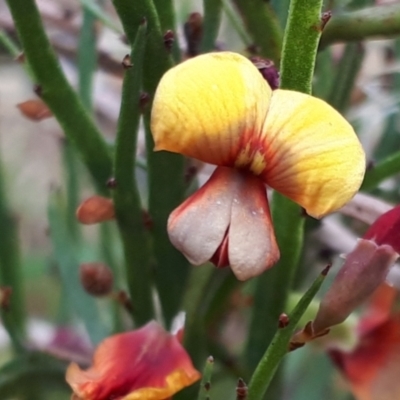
column 313, row 155
column 209, row 106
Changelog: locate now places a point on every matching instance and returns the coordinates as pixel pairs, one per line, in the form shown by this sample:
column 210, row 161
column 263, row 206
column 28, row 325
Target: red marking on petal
column 386, row 229
column 220, row 258
column 148, row 363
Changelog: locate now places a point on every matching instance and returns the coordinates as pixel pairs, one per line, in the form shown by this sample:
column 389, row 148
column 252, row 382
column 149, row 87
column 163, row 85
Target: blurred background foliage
column 51, row 319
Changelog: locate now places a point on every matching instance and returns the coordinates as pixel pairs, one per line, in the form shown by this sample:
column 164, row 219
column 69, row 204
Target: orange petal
column 379, row 308
column 145, row 364
column 208, row 106
column 36, row 110
column 313, row 155
column 95, row 209
column 231, row 203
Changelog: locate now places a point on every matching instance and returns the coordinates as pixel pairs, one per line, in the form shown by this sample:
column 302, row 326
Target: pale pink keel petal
column 227, row 221
column 198, row 226
column 252, row 247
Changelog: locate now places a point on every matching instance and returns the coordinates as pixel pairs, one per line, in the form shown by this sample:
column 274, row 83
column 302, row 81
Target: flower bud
column 96, row 278
column 364, row 270
column 268, row 70
column 95, row 209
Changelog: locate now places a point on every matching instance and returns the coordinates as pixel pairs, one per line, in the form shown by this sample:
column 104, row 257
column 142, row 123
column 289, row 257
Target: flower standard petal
column 313, row 155
column 146, row 364
column 207, row 107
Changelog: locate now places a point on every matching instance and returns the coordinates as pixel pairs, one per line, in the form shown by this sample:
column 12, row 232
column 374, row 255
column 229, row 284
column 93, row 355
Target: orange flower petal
column 208, row 106
column 231, row 203
column 312, row 153
column 95, row 209
column 145, row 364
column 373, row 368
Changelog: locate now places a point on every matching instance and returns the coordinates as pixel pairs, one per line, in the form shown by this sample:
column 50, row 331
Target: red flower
column 145, row 364
column 373, row 367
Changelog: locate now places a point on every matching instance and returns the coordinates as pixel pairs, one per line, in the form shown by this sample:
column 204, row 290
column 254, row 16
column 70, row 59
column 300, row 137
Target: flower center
column 251, row 159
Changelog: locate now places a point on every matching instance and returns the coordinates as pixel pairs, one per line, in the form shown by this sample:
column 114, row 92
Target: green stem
column 127, row 202
column 236, row 22
column 297, row 66
column 205, row 385
column 263, row 26
column 372, row 22
column 96, row 11
column 165, row 170
column 346, row 74
column 87, row 58
column 166, row 16
column 10, row 272
column 381, row 171
column 9, row 44
column 58, row 94
column 279, row 345
column 211, row 24
column 300, row 42
column 281, row 8
column 72, row 177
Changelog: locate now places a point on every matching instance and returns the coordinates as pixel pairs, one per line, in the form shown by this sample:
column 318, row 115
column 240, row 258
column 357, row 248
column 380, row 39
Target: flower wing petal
column 252, row 247
column 198, row 226
column 313, row 155
column 148, row 363
column 205, row 106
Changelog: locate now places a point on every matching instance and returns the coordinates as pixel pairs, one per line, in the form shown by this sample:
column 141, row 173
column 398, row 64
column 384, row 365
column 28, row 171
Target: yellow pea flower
column 218, row 108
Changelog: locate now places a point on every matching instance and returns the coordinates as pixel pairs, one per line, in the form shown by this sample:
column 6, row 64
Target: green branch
column 380, row 21
column 58, row 94
column 263, row 26
column 165, row 170
column 211, row 24
column 381, row 171
column 280, row 344
column 300, row 43
column 297, row 68
column 166, row 16
column 127, row 202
